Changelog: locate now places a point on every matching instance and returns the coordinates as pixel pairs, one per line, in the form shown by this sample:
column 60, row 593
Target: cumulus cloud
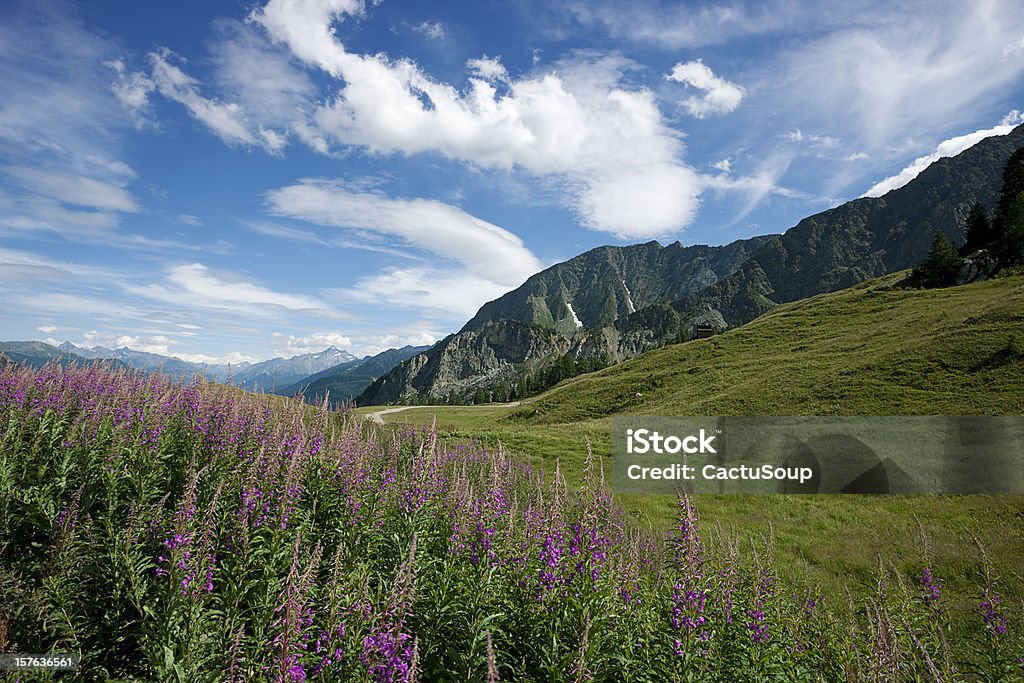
column 160, row 344
column 720, row 96
column 946, row 148
column 578, row 122
column 488, row 68
column 487, row 250
column 47, row 329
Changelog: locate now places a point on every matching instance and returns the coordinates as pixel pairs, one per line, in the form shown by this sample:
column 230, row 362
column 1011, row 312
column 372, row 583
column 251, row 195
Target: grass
column 873, row 349
column 165, row 531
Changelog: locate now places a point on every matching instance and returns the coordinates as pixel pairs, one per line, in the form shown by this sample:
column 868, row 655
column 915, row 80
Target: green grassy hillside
column 870, row 350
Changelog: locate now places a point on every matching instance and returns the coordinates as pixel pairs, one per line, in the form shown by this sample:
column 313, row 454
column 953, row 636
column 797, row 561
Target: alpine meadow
column 413, row 342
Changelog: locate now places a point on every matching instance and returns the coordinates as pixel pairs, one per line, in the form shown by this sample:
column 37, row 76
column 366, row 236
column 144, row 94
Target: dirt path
column 378, row 416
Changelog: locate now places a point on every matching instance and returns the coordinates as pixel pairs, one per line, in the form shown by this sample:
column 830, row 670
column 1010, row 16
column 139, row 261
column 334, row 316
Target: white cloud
column 291, row 345
column 196, row 285
column 492, row 253
column 720, row 96
column 725, row 165
column 340, row 242
column 452, row 295
column 232, row 357
column 578, row 122
column 1013, row 48
column 132, row 89
column 226, row 120
column 678, row 25
column 754, row 187
column 373, row 345
column 158, row 344
column 306, row 27
column 947, row 148
column 47, row 329
column 197, row 279
column 488, row 68
column 430, row 29
column 796, row 135
column 266, row 97
column 75, row 189
column 189, row 219
column 274, row 93
column 906, row 70
column 42, row 268
column 60, row 124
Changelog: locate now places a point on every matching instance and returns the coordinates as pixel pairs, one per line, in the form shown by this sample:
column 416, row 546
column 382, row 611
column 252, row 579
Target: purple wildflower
column 992, row 614
column 931, row 586
column 387, row 655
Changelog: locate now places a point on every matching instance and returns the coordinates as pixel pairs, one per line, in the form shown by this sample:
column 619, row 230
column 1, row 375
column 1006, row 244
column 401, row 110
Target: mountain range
column 312, row 374
column 345, row 381
column 265, row 375
column 613, row 303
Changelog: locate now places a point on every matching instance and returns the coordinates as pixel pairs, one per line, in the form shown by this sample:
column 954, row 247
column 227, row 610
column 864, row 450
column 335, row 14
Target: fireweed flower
column 328, row 648
column 931, row 587
column 755, row 624
column 992, row 614
column 387, row 655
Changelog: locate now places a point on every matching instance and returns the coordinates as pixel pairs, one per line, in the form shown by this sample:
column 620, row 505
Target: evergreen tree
column 1012, row 247
column 1013, row 185
column 522, row 387
column 941, row 266
column 978, row 230
column 480, row 397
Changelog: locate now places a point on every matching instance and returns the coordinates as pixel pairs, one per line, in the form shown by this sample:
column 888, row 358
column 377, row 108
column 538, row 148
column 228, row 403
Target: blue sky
column 241, row 180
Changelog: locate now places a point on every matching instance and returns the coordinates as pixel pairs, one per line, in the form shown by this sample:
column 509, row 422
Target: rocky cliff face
column 605, row 284
column 617, row 302
column 497, row 354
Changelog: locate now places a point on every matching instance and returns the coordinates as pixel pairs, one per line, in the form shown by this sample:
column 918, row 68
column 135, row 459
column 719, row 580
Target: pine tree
column 1012, row 247
column 1013, row 185
column 978, row 230
column 941, row 266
